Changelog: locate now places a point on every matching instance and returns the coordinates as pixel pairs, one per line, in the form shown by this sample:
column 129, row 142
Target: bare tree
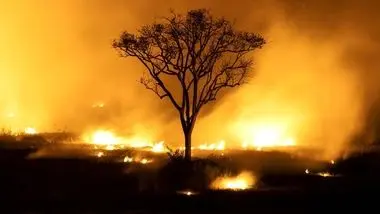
column 202, row 54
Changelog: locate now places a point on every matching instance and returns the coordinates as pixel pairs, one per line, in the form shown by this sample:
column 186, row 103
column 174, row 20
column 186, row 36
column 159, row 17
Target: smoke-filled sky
column 317, row 77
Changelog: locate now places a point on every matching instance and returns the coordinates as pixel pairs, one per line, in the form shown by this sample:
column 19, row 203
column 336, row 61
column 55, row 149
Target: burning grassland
column 313, row 93
column 261, row 139
column 18, row 132
column 244, row 167
column 304, row 88
column 107, row 144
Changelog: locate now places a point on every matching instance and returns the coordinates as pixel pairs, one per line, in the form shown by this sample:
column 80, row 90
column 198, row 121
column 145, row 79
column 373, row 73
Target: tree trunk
column 188, row 144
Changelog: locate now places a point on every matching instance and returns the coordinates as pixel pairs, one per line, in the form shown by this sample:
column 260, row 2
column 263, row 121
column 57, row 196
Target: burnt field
column 41, row 176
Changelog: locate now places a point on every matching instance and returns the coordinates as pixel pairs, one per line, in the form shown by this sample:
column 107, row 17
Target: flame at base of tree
column 266, row 137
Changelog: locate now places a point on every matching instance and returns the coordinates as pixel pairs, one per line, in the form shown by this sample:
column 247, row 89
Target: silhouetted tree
column 200, row 53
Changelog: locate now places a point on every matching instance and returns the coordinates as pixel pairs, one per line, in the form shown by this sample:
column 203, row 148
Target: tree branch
column 150, row 84
column 206, row 54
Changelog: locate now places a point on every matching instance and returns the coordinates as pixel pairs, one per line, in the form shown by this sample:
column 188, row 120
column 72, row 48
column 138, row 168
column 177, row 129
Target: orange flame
column 243, row 181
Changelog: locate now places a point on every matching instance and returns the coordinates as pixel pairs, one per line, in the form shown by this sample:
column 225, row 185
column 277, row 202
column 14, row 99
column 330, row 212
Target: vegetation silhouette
column 189, row 59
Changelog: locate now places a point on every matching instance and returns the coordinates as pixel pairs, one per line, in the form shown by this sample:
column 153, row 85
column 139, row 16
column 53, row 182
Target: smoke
column 312, row 78
column 302, row 90
column 316, row 79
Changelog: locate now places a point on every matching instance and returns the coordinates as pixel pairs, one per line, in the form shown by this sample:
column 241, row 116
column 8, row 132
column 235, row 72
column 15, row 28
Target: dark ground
column 90, row 185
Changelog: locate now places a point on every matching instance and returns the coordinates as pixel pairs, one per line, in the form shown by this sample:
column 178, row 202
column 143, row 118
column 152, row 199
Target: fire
column 138, row 142
column 111, row 141
column 259, row 137
column 265, row 135
column 243, row 181
column 100, row 154
column 11, row 115
column 187, row 192
column 30, row 131
column 110, row 147
column 322, row 174
column 145, row 161
column 98, row 105
column 128, row 159
column 104, row 138
column 325, row 174
column 159, row 147
column 214, row 146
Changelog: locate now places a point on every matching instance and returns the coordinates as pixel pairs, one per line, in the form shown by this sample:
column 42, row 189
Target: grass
column 63, row 172
column 91, row 183
column 6, row 135
column 167, row 173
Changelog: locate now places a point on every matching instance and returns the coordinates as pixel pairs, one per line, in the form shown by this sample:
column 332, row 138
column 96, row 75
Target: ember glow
column 100, row 154
column 243, row 181
column 321, row 174
column 140, row 160
column 325, row 174
column 187, row 193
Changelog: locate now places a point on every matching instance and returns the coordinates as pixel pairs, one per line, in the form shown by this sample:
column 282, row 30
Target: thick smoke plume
column 316, row 79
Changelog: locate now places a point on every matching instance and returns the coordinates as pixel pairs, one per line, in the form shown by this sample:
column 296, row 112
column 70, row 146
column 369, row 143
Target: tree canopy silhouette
column 201, row 53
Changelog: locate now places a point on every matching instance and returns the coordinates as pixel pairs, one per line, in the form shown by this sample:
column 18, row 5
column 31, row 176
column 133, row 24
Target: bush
column 6, row 136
